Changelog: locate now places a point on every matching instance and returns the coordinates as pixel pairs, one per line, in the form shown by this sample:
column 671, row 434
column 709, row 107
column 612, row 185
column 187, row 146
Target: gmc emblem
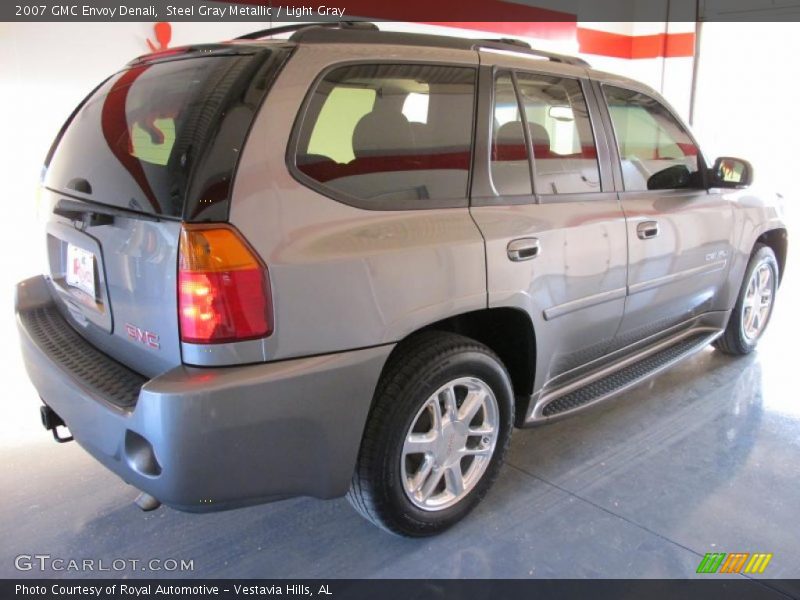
column 148, row 338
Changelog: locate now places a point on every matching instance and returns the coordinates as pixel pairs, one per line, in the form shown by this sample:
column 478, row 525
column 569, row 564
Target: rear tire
column 754, row 305
column 441, row 422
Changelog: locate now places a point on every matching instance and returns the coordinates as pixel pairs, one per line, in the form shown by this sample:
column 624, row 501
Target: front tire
column 436, row 436
column 754, row 305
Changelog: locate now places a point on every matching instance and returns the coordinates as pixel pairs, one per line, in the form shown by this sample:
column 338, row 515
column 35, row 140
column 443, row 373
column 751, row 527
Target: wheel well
column 508, row 332
column 777, row 239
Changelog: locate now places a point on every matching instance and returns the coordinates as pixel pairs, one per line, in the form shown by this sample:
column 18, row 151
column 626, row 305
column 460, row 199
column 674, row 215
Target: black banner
column 442, row 11
column 707, row 589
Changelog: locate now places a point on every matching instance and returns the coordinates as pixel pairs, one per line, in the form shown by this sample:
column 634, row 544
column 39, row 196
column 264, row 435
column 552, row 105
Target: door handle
column 523, row 249
column 647, row 230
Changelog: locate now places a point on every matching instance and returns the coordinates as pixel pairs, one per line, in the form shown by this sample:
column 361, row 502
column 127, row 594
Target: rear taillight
column 223, row 287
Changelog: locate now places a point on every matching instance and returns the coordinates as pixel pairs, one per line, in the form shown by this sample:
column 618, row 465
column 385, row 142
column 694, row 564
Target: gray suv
column 351, row 261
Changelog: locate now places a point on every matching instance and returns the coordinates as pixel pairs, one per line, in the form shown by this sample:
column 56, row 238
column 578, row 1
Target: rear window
column 389, row 136
column 164, row 138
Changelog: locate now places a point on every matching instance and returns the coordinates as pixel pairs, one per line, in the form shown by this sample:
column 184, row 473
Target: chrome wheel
column 450, row 444
column 757, row 301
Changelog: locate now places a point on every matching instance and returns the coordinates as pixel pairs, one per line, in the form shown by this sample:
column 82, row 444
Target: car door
column 546, row 206
column 679, row 233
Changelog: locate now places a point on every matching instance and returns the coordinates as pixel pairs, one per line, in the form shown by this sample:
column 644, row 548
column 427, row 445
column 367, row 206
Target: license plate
column 80, row 269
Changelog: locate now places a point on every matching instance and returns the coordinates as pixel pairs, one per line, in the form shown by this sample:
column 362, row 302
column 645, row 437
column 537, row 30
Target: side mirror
column 729, row 172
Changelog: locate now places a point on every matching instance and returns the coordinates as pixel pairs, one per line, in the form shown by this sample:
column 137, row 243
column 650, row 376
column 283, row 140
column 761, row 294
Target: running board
column 618, row 377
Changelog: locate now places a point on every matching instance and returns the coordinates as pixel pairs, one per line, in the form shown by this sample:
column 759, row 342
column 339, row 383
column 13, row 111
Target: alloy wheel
column 757, row 301
column 450, row 444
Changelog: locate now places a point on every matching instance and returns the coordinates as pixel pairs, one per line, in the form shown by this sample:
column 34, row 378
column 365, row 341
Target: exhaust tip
column 146, row 502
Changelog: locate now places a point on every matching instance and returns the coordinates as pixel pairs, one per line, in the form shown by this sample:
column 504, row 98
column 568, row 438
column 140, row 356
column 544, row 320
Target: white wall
column 747, row 105
column 748, row 99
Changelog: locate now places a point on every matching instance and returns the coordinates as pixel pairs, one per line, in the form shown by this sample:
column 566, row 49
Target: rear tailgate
column 116, row 283
column 154, row 146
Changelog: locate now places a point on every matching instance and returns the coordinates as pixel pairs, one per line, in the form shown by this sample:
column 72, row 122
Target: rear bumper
column 204, row 439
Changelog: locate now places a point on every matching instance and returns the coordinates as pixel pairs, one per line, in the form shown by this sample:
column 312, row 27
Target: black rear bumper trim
column 97, row 372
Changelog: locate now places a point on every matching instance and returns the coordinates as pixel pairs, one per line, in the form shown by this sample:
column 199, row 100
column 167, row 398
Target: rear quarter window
column 384, row 136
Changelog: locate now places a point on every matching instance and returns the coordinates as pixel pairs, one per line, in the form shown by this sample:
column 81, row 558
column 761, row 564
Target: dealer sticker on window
column 80, row 269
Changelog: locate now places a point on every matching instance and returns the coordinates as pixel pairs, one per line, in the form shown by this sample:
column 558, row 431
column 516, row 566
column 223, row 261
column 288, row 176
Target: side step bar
column 613, row 379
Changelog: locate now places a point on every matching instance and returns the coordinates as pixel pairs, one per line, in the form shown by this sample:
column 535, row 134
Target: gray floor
column 705, row 458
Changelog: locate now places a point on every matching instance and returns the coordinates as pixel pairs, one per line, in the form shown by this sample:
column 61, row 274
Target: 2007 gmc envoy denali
column 352, row 261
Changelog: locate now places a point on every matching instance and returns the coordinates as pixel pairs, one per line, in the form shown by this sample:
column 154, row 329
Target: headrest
column 539, row 136
column 382, row 132
column 510, row 133
column 509, row 142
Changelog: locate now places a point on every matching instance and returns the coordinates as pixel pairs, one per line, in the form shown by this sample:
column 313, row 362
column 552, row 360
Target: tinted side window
column 655, row 149
column 382, row 134
column 564, row 152
column 510, row 168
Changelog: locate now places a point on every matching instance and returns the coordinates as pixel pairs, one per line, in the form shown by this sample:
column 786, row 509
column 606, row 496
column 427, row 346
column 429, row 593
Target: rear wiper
column 93, row 215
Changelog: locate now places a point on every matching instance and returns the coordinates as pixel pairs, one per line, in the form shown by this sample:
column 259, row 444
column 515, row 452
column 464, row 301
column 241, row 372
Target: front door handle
column 647, row 230
column 523, row 249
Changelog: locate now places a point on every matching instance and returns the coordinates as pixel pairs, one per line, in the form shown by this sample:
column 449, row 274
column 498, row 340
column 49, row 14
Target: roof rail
column 365, row 32
column 261, row 33
column 520, row 47
column 510, row 41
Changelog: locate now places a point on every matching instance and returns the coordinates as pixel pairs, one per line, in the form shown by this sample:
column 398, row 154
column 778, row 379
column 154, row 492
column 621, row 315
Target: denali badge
column 145, row 337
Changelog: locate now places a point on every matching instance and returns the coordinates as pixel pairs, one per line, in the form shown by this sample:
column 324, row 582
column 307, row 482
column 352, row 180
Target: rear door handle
column 523, row 249
column 647, row 230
